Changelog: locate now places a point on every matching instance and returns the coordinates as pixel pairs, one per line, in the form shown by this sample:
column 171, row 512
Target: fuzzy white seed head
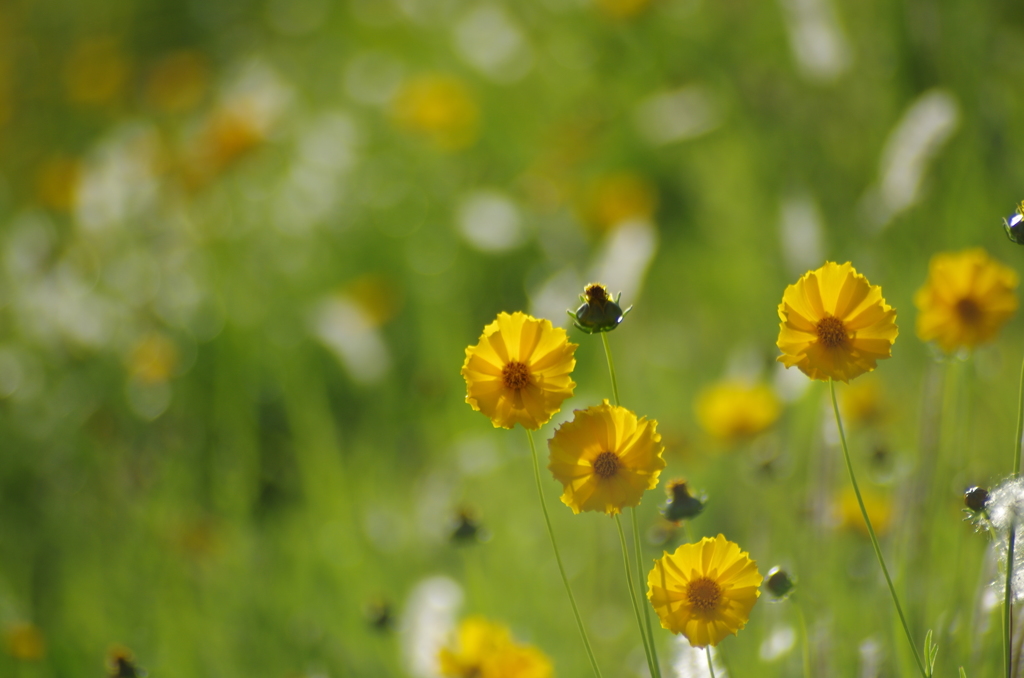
column 1005, row 509
column 1006, row 504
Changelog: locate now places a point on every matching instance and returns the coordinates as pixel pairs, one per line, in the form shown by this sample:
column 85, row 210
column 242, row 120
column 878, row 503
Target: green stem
column 632, row 596
column 611, row 366
column 649, row 643
column 641, row 589
column 558, row 558
column 871, row 530
column 711, row 665
column 1008, row 604
column 806, row 638
column 1020, row 424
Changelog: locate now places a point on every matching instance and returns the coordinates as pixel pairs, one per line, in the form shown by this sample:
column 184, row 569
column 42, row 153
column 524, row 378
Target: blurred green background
column 244, row 243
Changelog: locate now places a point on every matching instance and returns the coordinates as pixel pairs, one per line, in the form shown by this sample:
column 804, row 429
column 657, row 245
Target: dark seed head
column 975, row 498
column 779, row 583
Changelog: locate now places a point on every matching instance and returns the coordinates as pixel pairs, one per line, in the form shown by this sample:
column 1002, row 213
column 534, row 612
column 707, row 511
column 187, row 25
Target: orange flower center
column 831, row 331
column 607, row 464
column 968, row 311
column 703, row 594
column 515, row 375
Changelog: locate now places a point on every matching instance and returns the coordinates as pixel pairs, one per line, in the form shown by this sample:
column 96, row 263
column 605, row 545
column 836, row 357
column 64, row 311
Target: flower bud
column 466, row 528
column 598, row 313
column 121, row 663
column 681, row 504
column 975, row 498
column 1014, row 225
column 779, row 583
column 379, row 615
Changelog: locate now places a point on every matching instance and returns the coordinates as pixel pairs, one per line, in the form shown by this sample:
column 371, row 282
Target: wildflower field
column 492, row 339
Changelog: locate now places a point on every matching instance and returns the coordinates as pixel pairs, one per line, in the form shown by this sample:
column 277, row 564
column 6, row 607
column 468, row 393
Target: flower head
column 606, row 458
column 518, row 373
column 483, row 649
column 835, row 324
column 704, row 591
column 121, row 663
column 599, row 312
column 681, row 504
column 779, row 583
column 24, row 641
column 878, row 505
column 440, row 108
column 732, row 410
column 1005, row 512
column 1014, row 225
column 966, row 299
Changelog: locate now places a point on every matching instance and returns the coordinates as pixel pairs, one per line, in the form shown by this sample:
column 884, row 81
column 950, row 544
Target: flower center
column 831, row 331
column 607, row 464
column 596, row 293
column 703, row 594
column 515, row 375
column 968, row 310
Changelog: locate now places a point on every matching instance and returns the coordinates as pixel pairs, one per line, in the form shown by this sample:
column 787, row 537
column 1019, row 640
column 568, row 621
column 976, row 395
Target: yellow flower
column 24, row 641
column 96, row 71
column 835, row 324
column 178, row 82
column 519, row 371
column 153, row 359
column 483, row 649
column 862, row 403
column 618, row 198
column 732, row 410
column 879, row 508
column 966, row 299
column 439, row 107
column 606, row 458
column 622, row 9
column 704, row 591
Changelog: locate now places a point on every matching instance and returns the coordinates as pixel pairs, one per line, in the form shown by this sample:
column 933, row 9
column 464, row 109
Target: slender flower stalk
column 1017, row 441
column 649, row 644
column 558, row 557
column 871, row 530
column 1008, row 604
column 642, row 589
column 611, row 367
column 1008, row 594
column 805, row 637
column 711, row 664
column 632, row 596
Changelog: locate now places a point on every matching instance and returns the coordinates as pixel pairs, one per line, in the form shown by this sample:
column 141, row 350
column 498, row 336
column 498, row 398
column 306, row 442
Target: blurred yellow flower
column 439, row 107
column 731, row 410
column 622, row 9
column 862, row 402
column 618, row 198
column 377, row 296
column 968, row 296
column 153, row 359
column 483, row 649
column 704, row 591
column 519, row 371
column 606, row 458
column 878, row 506
column 56, row 180
column 24, row 641
column 96, row 72
column 225, row 135
column 835, row 324
column 178, row 81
